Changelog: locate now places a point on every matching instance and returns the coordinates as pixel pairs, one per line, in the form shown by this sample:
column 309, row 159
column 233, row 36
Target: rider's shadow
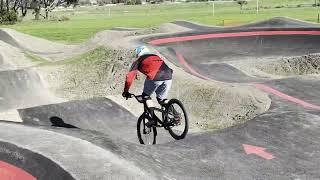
column 58, row 122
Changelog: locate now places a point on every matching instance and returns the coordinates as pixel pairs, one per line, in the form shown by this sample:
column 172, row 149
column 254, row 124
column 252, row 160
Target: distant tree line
column 8, row 13
column 241, row 3
column 9, row 9
column 104, row 2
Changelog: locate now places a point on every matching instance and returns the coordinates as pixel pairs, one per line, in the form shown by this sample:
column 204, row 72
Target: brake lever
column 130, row 96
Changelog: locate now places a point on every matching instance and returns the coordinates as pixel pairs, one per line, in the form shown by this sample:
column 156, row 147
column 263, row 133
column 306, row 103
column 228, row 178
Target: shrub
column 61, row 18
column 133, row 2
column 10, row 17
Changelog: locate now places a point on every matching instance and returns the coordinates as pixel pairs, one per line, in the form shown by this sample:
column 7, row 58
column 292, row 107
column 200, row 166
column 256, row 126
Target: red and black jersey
column 150, row 65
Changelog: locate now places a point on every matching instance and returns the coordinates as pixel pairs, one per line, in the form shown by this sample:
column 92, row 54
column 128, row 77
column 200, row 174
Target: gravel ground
column 280, row 67
column 301, row 65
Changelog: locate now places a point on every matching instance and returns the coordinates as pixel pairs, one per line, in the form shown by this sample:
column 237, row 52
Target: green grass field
column 86, row 21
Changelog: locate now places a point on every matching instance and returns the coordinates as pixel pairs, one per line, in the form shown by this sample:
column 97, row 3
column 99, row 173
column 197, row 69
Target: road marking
column 168, row 178
column 259, row 151
column 11, row 172
column 286, row 97
column 185, row 64
column 259, row 86
column 226, row 35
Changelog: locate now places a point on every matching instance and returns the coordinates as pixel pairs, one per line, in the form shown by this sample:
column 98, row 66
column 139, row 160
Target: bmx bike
column 174, row 119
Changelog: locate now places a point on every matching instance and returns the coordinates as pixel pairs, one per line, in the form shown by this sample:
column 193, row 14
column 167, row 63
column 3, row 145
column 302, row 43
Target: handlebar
column 130, row 96
column 139, row 98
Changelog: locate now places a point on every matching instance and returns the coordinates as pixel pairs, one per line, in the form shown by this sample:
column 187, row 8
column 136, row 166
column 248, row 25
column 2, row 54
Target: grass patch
column 92, row 57
column 87, row 59
column 34, row 58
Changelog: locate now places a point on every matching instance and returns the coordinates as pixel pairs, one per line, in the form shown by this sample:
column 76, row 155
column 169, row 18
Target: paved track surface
column 98, row 114
column 212, row 55
column 32, row 163
column 21, row 88
column 5, row 37
column 96, row 138
column 195, row 27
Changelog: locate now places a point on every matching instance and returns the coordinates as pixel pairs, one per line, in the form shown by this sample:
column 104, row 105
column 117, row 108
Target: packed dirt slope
column 211, row 105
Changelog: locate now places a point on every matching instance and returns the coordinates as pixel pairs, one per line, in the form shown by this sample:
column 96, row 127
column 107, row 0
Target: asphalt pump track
column 96, row 138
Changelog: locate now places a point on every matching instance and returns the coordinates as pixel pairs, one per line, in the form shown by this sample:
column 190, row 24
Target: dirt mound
column 101, row 72
column 97, row 73
column 290, row 66
column 217, row 105
column 20, row 85
column 172, row 28
column 6, row 37
column 41, row 47
column 211, row 105
column 38, row 45
column 196, row 26
column 22, row 88
column 12, row 58
column 124, row 29
column 3, row 64
column 281, row 22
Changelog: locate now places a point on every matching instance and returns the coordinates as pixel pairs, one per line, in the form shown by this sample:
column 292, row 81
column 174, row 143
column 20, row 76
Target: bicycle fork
column 147, row 116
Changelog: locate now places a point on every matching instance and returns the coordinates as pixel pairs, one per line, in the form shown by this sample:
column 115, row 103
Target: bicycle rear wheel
column 146, row 135
column 177, row 119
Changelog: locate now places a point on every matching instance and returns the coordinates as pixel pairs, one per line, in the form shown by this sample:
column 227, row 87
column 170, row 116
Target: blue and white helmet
column 142, row 50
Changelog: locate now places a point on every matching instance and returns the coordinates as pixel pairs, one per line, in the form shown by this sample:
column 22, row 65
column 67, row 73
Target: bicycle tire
column 152, row 130
column 186, row 123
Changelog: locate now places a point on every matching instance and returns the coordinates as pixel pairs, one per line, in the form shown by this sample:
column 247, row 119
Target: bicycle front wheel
column 146, row 135
column 177, row 119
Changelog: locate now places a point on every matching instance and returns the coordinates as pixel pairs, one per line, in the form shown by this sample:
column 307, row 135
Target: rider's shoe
column 162, row 102
column 151, row 123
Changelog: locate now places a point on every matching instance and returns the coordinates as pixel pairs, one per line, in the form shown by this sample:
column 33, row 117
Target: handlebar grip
column 130, row 96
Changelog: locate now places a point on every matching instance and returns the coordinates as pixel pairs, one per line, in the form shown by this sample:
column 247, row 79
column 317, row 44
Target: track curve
column 28, row 165
column 88, row 140
column 295, row 112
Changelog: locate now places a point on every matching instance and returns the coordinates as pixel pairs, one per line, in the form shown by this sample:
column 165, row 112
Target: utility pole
column 317, row 5
column 257, row 7
column 212, row 8
column 7, row 3
column 1, row 6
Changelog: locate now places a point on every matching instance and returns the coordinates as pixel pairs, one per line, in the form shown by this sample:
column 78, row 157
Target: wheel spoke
column 145, row 134
column 177, row 118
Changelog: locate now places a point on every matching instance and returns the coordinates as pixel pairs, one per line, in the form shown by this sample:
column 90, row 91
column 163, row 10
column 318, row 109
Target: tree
column 8, row 14
column 103, row 2
column 9, row 8
column 24, row 7
column 241, row 3
column 48, row 6
column 1, row 6
column 133, row 2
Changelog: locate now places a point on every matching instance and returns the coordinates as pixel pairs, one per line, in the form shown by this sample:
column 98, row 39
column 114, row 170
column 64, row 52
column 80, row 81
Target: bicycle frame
column 151, row 111
column 167, row 121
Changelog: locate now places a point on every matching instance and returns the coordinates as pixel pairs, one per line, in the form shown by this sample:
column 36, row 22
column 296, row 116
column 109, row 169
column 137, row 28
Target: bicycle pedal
column 150, row 124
